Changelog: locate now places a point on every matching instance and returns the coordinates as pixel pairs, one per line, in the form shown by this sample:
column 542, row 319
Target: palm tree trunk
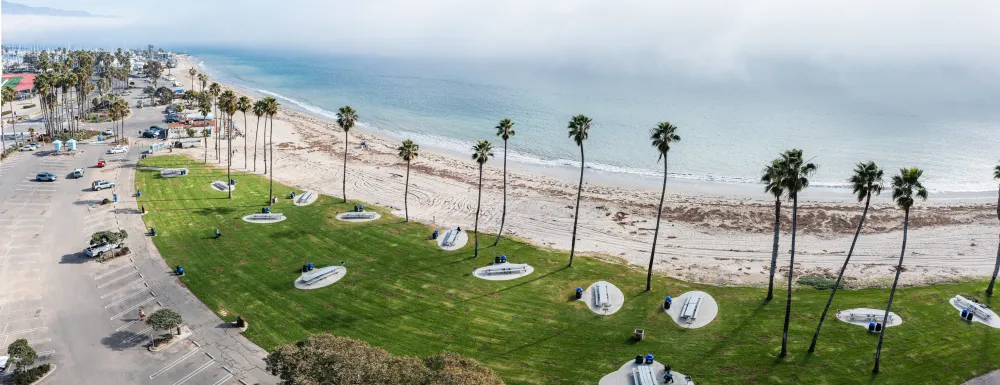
column 996, row 268
column 656, row 232
column 3, row 144
column 345, row 165
column 479, row 203
column 791, row 276
column 576, row 216
column 204, row 134
column 503, row 212
column 264, row 145
column 245, row 156
column 892, row 293
column 836, row 285
column 774, row 249
column 271, row 147
column 255, row 132
column 406, row 194
column 218, row 138
column 229, row 159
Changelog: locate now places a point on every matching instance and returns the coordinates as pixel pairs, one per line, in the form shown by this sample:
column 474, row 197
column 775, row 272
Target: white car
column 108, row 132
column 28, row 148
column 3, row 363
column 99, row 184
column 118, row 150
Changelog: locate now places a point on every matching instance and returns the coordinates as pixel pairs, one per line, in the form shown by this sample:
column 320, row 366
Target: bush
column 31, row 375
column 4, row 113
column 105, row 201
column 162, row 340
column 28, row 106
column 819, row 282
column 122, row 251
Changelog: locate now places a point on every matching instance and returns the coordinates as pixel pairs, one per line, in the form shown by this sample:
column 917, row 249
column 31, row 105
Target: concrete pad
column 338, row 273
column 175, row 172
column 623, row 376
column 461, row 239
column 258, row 218
column 221, row 186
column 340, row 217
column 845, row 315
column 708, row 309
column 616, row 296
column 483, row 272
column 306, row 198
column 993, row 322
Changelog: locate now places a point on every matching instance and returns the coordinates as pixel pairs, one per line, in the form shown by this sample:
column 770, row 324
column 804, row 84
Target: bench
column 267, row 217
column 643, row 375
column 220, row 185
column 305, row 197
column 318, row 276
column 869, row 317
column 504, row 269
column 690, row 309
column 449, row 238
column 977, row 309
column 602, row 296
column 359, row 215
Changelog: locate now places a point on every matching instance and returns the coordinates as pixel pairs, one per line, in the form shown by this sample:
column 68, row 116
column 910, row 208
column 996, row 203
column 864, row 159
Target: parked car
column 28, row 147
column 3, row 363
column 118, row 150
column 101, row 164
column 97, row 250
column 108, row 132
column 101, row 184
column 46, row 177
column 77, row 173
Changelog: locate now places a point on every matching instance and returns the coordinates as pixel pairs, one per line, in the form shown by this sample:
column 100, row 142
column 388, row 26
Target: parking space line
column 122, row 288
column 39, row 341
column 148, row 300
column 141, row 333
column 124, row 298
column 194, row 373
column 25, row 331
column 126, row 275
column 172, row 364
column 112, row 272
column 46, row 353
column 224, row 379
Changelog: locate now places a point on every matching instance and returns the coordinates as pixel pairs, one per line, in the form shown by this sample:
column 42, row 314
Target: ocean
column 941, row 119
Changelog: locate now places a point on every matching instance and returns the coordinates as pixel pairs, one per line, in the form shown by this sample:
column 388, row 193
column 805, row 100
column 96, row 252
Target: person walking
column 142, row 316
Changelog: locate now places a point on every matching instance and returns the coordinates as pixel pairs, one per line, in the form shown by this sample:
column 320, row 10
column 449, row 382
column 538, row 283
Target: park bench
column 643, row 375
column 449, row 238
column 504, row 269
column 602, row 296
column 975, row 308
column 690, row 309
column 869, row 317
column 305, row 197
column 317, row 276
column 267, row 217
column 359, row 215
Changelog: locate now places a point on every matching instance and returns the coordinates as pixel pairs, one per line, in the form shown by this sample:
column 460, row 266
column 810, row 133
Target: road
column 82, row 315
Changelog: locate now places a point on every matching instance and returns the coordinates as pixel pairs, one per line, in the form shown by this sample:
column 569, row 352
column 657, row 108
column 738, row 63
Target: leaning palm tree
column 579, row 128
column 272, row 110
column 259, row 109
column 192, row 72
column 243, row 104
column 505, row 130
column 346, row 117
column 227, row 103
column 996, row 268
column 867, row 180
column 795, row 178
column 773, row 184
column 408, row 152
column 481, row 153
column 662, row 136
column 905, row 187
column 205, row 109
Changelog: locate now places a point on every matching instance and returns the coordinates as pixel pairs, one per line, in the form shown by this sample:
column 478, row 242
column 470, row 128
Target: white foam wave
column 302, row 105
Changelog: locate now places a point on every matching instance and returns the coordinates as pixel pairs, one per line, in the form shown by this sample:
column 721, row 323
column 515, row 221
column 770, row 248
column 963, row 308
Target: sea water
column 942, row 120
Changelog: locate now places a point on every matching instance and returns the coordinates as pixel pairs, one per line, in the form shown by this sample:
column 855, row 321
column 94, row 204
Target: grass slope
column 404, row 294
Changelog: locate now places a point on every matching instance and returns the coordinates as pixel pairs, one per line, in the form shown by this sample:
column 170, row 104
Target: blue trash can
column 435, row 235
column 292, row 195
column 649, row 358
column 579, row 292
column 667, row 302
column 114, row 197
column 138, row 193
column 310, row 266
column 180, row 270
column 503, row 259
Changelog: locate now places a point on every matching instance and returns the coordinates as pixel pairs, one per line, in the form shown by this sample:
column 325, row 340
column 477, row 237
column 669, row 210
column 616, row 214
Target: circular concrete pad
column 333, row 274
column 306, row 198
column 264, row 218
column 341, row 216
column 708, row 309
column 994, row 321
column 861, row 320
column 221, row 186
column 461, row 239
column 483, row 272
column 623, row 376
column 616, row 295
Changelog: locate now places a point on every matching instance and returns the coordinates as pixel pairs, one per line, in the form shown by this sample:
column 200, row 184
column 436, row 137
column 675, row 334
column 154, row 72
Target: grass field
column 405, row 295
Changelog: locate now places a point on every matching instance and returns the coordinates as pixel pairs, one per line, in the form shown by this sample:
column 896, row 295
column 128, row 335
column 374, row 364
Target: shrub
column 122, row 251
column 31, row 375
column 28, row 106
column 818, row 281
column 162, row 340
column 4, row 113
column 105, row 201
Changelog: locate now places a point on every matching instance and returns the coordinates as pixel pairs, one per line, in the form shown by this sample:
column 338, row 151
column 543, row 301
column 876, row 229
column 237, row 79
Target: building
column 24, row 84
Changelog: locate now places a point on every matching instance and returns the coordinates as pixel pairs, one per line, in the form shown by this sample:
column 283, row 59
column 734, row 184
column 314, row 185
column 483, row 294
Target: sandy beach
column 713, row 233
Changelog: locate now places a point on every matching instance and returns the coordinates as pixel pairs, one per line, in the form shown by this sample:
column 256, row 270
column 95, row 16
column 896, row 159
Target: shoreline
column 712, row 232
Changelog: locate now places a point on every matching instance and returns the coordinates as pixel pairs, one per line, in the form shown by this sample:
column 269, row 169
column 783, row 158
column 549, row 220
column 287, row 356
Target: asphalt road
column 82, row 315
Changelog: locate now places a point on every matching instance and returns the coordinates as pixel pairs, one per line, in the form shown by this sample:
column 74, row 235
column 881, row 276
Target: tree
column 905, row 187
column 346, row 117
column 579, row 128
column 243, row 104
column 259, row 109
column 203, row 79
column 165, row 95
column 7, row 96
column 21, row 354
column 272, row 110
column 205, row 109
column 153, row 69
column 795, row 177
column 112, row 237
column 227, row 103
column 215, row 90
column 505, row 130
column 164, row 319
column 453, row 369
column 190, row 132
column 192, row 72
column 408, row 152
column 867, row 180
column 661, row 136
column 773, row 184
column 996, row 268
column 481, row 153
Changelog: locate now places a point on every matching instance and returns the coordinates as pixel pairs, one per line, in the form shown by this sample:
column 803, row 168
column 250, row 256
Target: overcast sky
column 707, row 36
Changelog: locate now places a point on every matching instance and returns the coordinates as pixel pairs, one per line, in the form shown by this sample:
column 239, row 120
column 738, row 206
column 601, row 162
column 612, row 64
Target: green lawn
column 405, row 295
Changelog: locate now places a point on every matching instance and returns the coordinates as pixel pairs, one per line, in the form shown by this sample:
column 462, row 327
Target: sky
column 712, row 38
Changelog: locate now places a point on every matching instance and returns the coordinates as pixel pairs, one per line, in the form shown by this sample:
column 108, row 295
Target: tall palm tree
column 867, row 180
column 7, row 96
column 996, row 268
column 203, row 79
column 192, row 72
column 481, row 153
column 205, row 109
column 346, row 117
column 259, row 109
column 272, row 110
column 408, row 152
column 661, row 136
column 505, row 130
column 905, row 187
column 215, row 90
column 796, row 178
column 773, row 184
column 227, row 103
column 243, row 104
column 579, row 129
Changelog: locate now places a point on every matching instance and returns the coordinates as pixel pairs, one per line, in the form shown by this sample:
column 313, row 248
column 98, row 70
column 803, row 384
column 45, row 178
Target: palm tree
column 662, row 136
column 243, row 104
column 203, row 79
column 346, row 117
column 227, row 103
column 867, row 180
column 795, row 178
column 905, row 186
column 7, row 96
column 214, row 90
column 579, row 128
column 505, row 130
column 259, row 109
column 205, row 109
column 481, row 153
column 192, row 72
column 996, row 269
column 408, row 152
column 272, row 110
column 773, row 184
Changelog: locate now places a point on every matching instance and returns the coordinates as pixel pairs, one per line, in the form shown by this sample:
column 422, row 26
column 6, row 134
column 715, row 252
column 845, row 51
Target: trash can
column 638, row 359
column 579, row 292
column 649, row 358
column 292, row 195
column 503, row 259
column 232, row 182
column 434, row 235
column 878, row 327
column 152, row 231
column 267, row 210
column 305, row 268
column 667, row 302
column 310, row 266
column 965, row 313
column 138, row 193
column 871, row 327
column 180, row 270
column 218, row 233
column 114, row 197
